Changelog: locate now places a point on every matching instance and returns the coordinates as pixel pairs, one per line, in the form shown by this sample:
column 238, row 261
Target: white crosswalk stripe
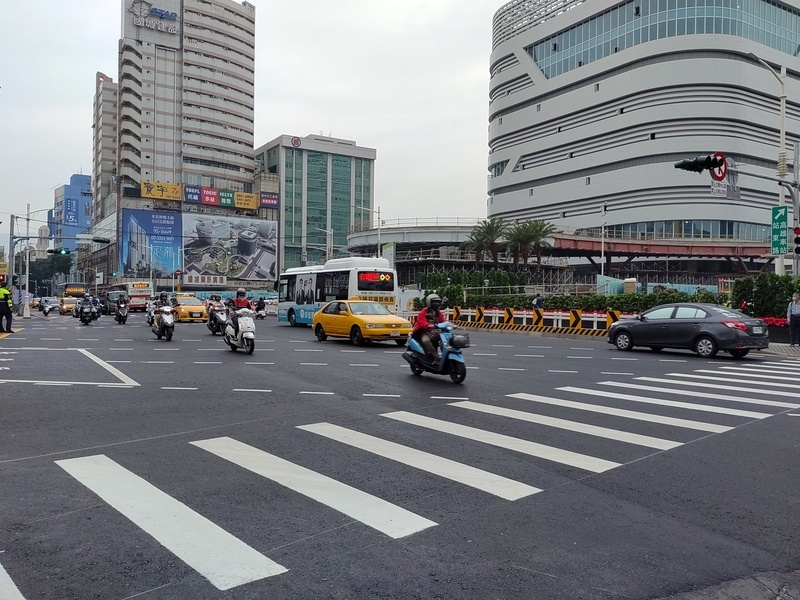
column 603, row 432
column 687, row 405
column 695, row 394
column 761, row 375
column 223, row 559
column 732, row 380
column 574, row 459
column 718, row 386
column 392, row 520
column 449, row 469
column 626, row 414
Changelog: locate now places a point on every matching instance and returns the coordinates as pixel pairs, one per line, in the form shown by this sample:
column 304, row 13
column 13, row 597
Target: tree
column 490, row 233
column 540, row 231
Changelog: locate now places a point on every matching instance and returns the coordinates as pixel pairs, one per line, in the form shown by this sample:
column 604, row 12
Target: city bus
column 138, row 293
column 303, row 290
column 71, row 289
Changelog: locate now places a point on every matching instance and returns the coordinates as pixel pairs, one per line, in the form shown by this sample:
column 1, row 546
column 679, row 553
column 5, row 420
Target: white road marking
column 120, row 349
column 734, row 380
column 308, row 350
column 784, row 376
column 207, row 362
column 159, row 362
column 625, row 414
column 249, row 390
column 580, row 357
column 680, row 360
column 87, row 339
column 298, row 341
column 539, row 346
column 122, row 340
column 391, row 351
column 61, row 383
column 718, row 386
column 482, row 354
column 530, row 355
column 259, row 363
column 167, row 349
column 178, row 388
column 502, row 487
column 620, row 358
column 187, row 340
column 613, row 373
column 581, row 348
column 603, row 432
column 217, row 555
column 364, row 365
column 113, row 370
column 581, row 461
column 208, row 349
column 352, row 350
column 794, row 367
column 317, row 393
column 509, row 369
column 559, row 371
column 382, row 395
column 502, row 346
column 448, row 398
column 314, row 364
column 8, row 591
column 47, row 339
column 394, row 521
column 467, row 367
column 696, row 394
column 118, row 361
column 722, row 410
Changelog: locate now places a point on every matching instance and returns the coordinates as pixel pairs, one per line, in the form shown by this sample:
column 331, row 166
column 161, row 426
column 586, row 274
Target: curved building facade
column 591, row 104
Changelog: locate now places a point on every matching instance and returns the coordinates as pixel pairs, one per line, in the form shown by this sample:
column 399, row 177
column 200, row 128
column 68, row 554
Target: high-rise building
column 104, row 145
column 72, row 211
column 591, row 103
column 326, row 186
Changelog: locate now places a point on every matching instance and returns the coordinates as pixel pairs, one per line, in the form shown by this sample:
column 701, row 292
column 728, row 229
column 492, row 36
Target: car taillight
column 735, row 325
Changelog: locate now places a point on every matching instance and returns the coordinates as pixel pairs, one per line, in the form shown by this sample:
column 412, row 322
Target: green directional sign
column 780, row 231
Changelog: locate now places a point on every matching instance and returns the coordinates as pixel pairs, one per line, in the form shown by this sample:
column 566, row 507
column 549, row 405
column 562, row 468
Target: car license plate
column 758, row 330
column 394, row 333
column 195, row 314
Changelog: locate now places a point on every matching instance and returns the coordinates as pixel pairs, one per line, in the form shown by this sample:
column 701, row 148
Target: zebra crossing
column 679, row 406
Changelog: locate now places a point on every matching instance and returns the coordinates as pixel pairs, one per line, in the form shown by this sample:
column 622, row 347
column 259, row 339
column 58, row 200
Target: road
column 561, row 468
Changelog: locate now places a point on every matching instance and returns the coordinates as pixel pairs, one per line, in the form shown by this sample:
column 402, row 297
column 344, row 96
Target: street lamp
column 95, row 277
column 378, row 211
column 603, row 212
column 780, row 268
column 328, row 241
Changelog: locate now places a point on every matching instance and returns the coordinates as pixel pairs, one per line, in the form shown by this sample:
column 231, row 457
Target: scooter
column 245, row 338
column 451, row 362
column 163, row 322
column 121, row 312
column 261, row 314
column 87, row 314
column 217, row 320
column 46, row 309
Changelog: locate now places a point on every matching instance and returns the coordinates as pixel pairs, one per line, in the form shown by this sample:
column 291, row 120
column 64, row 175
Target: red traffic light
column 796, row 230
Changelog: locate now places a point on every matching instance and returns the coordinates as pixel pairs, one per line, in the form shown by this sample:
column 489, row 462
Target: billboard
column 238, row 247
column 150, row 243
column 160, row 190
column 269, row 199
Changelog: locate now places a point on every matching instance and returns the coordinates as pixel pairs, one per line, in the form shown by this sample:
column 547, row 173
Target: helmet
column 433, row 301
column 163, row 295
column 86, row 296
column 241, row 293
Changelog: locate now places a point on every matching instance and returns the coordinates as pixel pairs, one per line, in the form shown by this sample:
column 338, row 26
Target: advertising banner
column 191, row 194
column 245, row 200
column 150, row 243
column 209, row 196
column 160, row 190
column 269, row 199
column 226, row 198
column 70, row 211
column 233, row 247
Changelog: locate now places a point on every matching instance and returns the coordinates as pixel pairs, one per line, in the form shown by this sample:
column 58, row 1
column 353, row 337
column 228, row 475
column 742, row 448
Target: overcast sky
column 406, row 77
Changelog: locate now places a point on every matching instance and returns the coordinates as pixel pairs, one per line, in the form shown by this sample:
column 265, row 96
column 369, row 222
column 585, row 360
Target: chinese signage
column 71, row 211
column 146, row 15
column 206, row 281
column 160, row 190
column 245, row 200
column 780, row 234
column 191, row 194
column 226, row 198
column 150, row 243
column 269, row 199
column 209, row 196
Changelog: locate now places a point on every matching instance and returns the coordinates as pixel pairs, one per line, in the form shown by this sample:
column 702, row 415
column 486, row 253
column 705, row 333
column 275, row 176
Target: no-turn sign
column 719, row 173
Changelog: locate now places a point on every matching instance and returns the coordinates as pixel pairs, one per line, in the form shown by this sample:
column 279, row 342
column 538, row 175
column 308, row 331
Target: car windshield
column 189, row 302
column 368, row 308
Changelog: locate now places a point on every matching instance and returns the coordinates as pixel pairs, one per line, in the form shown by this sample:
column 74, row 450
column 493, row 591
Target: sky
column 409, row 78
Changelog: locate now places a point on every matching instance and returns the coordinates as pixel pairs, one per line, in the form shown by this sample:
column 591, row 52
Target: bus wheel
column 292, row 319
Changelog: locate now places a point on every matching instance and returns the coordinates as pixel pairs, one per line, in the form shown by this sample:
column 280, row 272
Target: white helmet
column 433, row 301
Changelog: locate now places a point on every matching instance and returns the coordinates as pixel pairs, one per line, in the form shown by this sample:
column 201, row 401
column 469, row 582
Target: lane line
column 717, row 386
column 614, row 373
column 602, row 432
column 308, row 350
column 317, row 393
column 52, row 383
column 483, row 354
column 259, row 363
column 8, row 591
column 314, row 364
column 352, row 351
column 559, row 371
column 581, row 348
column 502, row 346
column 574, row 459
column 448, row 398
column 249, row 390
column 625, row 414
column 546, row 347
column 722, row 410
column 118, row 361
column 159, row 362
column 580, row 357
column 394, row 521
column 364, row 365
column 530, row 355
column 217, row 555
column 497, row 485
column 622, row 358
column 678, row 360
column 86, row 339
column 207, row 362
column 113, row 370
column 509, row 369
column 696, row 394
column 382, row 395
column 178, row 388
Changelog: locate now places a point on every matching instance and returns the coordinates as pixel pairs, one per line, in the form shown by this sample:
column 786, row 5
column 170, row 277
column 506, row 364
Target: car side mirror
column 641, row 317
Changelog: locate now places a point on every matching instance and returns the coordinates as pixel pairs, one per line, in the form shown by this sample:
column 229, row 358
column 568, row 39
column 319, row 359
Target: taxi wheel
column 356, row 337
column 320, row 333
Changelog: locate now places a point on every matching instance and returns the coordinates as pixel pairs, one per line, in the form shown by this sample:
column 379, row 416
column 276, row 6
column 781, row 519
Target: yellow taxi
column 360, row 320
column 189, row 308
column 66, row 305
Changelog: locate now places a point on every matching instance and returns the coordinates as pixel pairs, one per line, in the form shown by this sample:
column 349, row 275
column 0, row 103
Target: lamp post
column 95, row 277
column 603, row 212
column 780, row 268
column 328, row 241
column 378, row 212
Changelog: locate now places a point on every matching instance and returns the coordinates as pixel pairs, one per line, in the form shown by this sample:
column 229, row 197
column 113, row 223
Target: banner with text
column 150, row 242
column 160, row 190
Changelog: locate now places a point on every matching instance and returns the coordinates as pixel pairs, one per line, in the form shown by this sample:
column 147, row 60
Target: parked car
column 360, row 320
column 703, row 328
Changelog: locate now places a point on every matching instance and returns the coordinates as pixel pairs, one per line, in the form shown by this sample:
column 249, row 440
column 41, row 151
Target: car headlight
column 406, row 326
column 374, row 325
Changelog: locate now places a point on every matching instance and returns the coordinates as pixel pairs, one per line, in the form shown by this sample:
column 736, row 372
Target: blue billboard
column 150, row 243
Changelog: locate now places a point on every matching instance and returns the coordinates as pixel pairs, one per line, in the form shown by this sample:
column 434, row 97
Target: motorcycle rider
column 153, row 315
column 121, row 299
column 235, row 303
column 261, row 304
column 425, row 330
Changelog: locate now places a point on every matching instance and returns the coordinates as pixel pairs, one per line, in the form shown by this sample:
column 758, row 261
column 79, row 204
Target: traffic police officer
column 6, row 301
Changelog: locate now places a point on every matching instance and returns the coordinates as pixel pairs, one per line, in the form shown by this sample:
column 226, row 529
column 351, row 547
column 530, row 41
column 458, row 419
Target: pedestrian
column 793, row 316
column 538, row 301
column 6, row 302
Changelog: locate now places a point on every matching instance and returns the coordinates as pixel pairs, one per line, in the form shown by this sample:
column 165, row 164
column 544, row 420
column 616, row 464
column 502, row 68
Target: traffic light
column 796, row 231
column 15, row 280
column 2, row 279
column 61, row 251
column 113, row 273
column 101, row 240
column 699, row 164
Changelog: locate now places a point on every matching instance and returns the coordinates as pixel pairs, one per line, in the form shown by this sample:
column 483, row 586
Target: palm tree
column 540, row 231
column 519, row 239
column 491, row 233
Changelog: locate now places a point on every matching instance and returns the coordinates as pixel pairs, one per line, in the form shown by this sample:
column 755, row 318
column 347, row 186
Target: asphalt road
column 561, row 468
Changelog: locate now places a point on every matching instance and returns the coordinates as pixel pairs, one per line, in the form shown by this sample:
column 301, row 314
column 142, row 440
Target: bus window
column 287, row 288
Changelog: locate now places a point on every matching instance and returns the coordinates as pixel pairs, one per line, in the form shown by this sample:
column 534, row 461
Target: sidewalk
column 782, row 350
